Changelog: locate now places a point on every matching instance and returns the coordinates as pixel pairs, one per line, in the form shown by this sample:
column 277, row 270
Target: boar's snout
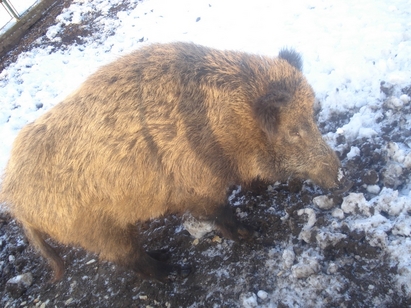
column 328, row 173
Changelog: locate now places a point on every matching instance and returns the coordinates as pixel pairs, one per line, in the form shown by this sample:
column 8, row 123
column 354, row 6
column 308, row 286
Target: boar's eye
column 295, row 133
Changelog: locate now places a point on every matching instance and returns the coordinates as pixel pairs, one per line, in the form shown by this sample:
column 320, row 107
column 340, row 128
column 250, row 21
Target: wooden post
column 12, row 36
column 10, row 9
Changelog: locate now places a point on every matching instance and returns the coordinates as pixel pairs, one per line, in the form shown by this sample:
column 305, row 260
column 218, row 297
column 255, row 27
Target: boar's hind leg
column 121, row 244
column 229, row 226
column 36, row 238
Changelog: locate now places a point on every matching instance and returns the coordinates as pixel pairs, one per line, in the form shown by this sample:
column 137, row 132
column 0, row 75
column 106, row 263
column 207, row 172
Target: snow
column 288, row 257
column 354, row 203
column 262, row 294
column 323, row 202
column 25, row 279
column 249, row 300
column 355, row 151
column 197, row 228
column 305, row 268
column 349, row 48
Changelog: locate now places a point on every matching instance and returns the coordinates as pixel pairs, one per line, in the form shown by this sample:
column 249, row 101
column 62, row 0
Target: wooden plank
column 13, row 35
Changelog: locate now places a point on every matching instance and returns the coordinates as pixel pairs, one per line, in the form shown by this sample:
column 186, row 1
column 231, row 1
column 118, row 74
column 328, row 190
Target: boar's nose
column 327, row 173
column 344, row 185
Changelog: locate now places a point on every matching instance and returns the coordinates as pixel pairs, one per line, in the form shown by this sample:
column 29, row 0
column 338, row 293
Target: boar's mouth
column 344, row 185
column 323, row 176
column 338, row 185
column 339, row 188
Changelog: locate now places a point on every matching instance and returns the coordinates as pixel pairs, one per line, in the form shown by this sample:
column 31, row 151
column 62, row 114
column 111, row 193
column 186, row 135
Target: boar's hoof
column 245, row 232
column 182, row 271
column 160, row 255
column 169, row 273
column 176, row 272
column 230, row 227
column 148, row 267
column 236, row 231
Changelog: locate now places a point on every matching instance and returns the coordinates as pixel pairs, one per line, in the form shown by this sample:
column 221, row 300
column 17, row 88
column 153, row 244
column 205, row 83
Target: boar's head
column 286, row 116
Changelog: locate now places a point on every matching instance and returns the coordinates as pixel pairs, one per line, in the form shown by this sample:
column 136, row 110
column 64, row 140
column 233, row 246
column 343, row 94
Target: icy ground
column 315, row 249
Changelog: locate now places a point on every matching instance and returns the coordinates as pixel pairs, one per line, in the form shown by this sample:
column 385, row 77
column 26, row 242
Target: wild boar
column 165, row 129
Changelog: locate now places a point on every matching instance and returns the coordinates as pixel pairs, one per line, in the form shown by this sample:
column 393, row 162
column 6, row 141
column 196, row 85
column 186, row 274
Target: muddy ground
column 225, row 273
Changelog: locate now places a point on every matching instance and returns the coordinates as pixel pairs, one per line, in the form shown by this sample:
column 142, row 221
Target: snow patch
column 197, row 228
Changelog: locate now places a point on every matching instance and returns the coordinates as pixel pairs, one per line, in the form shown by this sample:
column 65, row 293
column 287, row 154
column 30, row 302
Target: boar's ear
column 267, row 108
column 292, row 57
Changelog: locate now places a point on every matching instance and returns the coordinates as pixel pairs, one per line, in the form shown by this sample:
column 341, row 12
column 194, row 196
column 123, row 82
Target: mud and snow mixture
column 313, row 248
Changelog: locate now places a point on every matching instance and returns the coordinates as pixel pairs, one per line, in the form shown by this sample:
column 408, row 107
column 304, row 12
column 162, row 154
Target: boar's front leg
column 229, row 226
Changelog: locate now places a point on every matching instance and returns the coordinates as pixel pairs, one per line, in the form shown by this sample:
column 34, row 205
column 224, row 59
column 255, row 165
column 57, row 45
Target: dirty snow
column 351, row 49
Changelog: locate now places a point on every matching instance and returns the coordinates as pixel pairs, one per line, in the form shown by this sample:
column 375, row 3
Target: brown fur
column 164, row 129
